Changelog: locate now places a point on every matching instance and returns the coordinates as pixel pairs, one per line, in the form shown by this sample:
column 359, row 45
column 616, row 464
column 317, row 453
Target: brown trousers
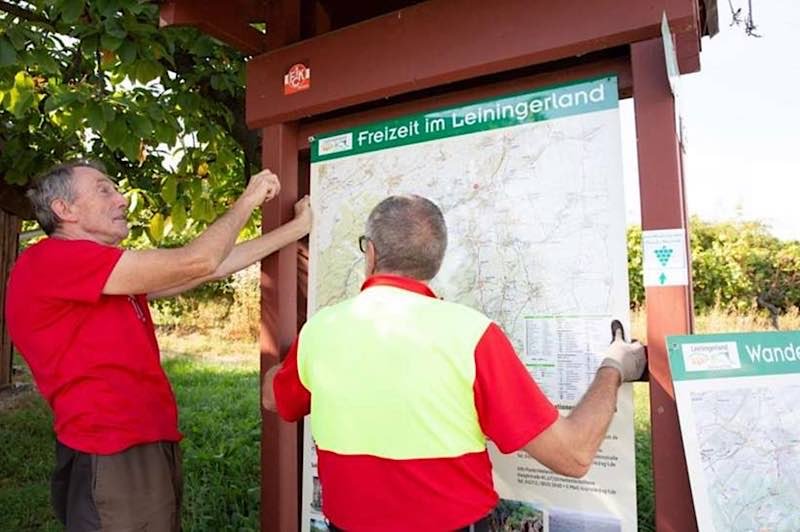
column 136, row 490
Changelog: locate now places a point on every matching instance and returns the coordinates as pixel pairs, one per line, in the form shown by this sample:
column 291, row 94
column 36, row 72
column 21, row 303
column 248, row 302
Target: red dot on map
column 475, row 186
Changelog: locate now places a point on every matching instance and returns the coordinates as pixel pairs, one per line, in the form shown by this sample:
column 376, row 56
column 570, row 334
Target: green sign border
column 527, row 107
column 778, row 362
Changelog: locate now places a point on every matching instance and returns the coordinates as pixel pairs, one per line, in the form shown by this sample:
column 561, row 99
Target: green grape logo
column 663, row 254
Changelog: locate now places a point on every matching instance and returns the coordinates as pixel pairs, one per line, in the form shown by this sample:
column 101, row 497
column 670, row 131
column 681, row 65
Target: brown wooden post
column 669, row 308
column 280, row 456
column 280, row 478
column 9, row 242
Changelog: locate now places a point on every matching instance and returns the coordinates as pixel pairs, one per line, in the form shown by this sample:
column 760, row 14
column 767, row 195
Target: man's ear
column 370, row 258
column 63, row 210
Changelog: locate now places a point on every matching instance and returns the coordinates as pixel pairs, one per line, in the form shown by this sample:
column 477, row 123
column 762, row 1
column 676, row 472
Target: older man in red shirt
column 77, row 310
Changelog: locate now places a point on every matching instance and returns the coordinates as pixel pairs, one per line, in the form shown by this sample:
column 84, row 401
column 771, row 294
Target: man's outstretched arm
column 246, row 253
column 569, row 445
column 142, row 272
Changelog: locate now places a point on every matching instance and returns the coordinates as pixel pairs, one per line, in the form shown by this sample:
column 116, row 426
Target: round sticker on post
column 297, row 79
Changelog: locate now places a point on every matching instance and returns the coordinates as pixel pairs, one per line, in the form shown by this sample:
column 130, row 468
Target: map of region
column 749, row 443
column 535, row 217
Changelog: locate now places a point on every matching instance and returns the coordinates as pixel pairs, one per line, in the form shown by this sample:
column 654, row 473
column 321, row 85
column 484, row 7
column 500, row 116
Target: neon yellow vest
column 391, row 374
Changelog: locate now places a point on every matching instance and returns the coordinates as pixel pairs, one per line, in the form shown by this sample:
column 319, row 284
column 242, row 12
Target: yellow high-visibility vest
column 391, row 374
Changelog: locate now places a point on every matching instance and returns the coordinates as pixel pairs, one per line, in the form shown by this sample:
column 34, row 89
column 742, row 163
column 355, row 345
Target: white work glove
column 627, row 358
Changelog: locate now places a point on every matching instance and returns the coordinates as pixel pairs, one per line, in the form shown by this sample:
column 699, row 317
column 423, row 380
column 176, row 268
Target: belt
column 482, row 525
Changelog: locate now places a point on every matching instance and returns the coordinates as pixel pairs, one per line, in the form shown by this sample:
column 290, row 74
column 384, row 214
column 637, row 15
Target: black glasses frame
column 362, row 243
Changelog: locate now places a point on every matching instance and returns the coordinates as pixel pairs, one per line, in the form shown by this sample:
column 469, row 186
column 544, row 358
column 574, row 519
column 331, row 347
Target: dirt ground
column 16, row 395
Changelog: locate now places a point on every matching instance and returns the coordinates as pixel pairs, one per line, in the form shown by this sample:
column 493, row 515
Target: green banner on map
column 513, row 110
column 714, row 356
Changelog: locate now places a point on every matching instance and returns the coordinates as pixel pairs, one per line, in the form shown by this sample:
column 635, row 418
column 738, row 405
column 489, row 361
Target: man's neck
column 74, row 233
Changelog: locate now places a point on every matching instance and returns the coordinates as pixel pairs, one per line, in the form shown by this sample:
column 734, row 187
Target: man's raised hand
column 627, row 358
column 302, row 212
column 262, row 187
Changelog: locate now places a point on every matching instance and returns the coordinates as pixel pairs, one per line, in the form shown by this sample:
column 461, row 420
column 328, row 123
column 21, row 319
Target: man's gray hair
column 409, row 235
column 55, row 184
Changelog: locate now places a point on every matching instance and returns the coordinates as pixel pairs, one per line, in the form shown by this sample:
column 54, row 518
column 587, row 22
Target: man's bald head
column 409, row 236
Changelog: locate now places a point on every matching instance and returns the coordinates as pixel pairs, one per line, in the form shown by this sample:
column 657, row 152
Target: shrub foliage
column 736, row 266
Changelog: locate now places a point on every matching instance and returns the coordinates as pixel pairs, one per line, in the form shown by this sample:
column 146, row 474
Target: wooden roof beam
column 618, row 66
column 227, row 21
column 444, row 41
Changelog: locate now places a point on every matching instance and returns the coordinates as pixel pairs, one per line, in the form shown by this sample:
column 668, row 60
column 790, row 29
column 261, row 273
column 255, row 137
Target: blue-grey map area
column 749, row 443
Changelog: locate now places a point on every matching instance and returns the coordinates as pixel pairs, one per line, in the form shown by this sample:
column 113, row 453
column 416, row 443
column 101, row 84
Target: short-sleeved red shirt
column 369, row 493
column 94, row 357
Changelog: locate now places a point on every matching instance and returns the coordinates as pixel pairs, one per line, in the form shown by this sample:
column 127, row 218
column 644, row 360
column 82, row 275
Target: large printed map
column 531, row 189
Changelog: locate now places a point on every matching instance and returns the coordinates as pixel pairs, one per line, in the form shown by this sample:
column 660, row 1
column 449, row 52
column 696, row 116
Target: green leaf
column 203, row 47
column 209, row 213
column 218, row 82
column 156, row 227
column 155, row 112
column 107, row 8
column 225, row 158
column 113, row 28
column 45, row 61
column 8, row 55
column 23, row 80
column 195, row 192
column 198, row 209
column 147, row 70
column 178, row 216
column 118, row 75
column 169, row 190
column 71, row 10
column 130, row 147
column 21, row 97
column 59, row 100
column 141, row 7
column 89, row 44
column 127, row 51
column 159, row 51
column 203, row 210
column 165, row 133
column 114, row 134
column 108, row 112
column 94, row 115
column 17, row 37
column 141, row 126
column 109, row 42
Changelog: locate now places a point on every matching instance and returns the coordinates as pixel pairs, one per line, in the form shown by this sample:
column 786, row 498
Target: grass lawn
column 217, row 388
column 644, row 474
column 219, row 416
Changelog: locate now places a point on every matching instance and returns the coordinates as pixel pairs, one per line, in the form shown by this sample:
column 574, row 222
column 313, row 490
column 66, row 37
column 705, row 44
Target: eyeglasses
column 362, row 243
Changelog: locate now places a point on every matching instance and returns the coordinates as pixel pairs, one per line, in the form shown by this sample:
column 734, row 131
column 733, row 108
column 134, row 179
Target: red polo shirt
column 364, row 493
column 94, row 357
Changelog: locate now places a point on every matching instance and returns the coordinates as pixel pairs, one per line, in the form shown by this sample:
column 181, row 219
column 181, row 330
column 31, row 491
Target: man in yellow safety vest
column 404, row 389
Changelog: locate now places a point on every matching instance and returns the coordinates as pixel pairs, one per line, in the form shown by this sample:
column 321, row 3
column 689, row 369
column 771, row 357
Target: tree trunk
column 9, row 239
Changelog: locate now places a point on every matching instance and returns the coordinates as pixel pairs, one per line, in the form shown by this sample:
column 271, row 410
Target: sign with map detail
column 737, row 397
column 531, row 188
